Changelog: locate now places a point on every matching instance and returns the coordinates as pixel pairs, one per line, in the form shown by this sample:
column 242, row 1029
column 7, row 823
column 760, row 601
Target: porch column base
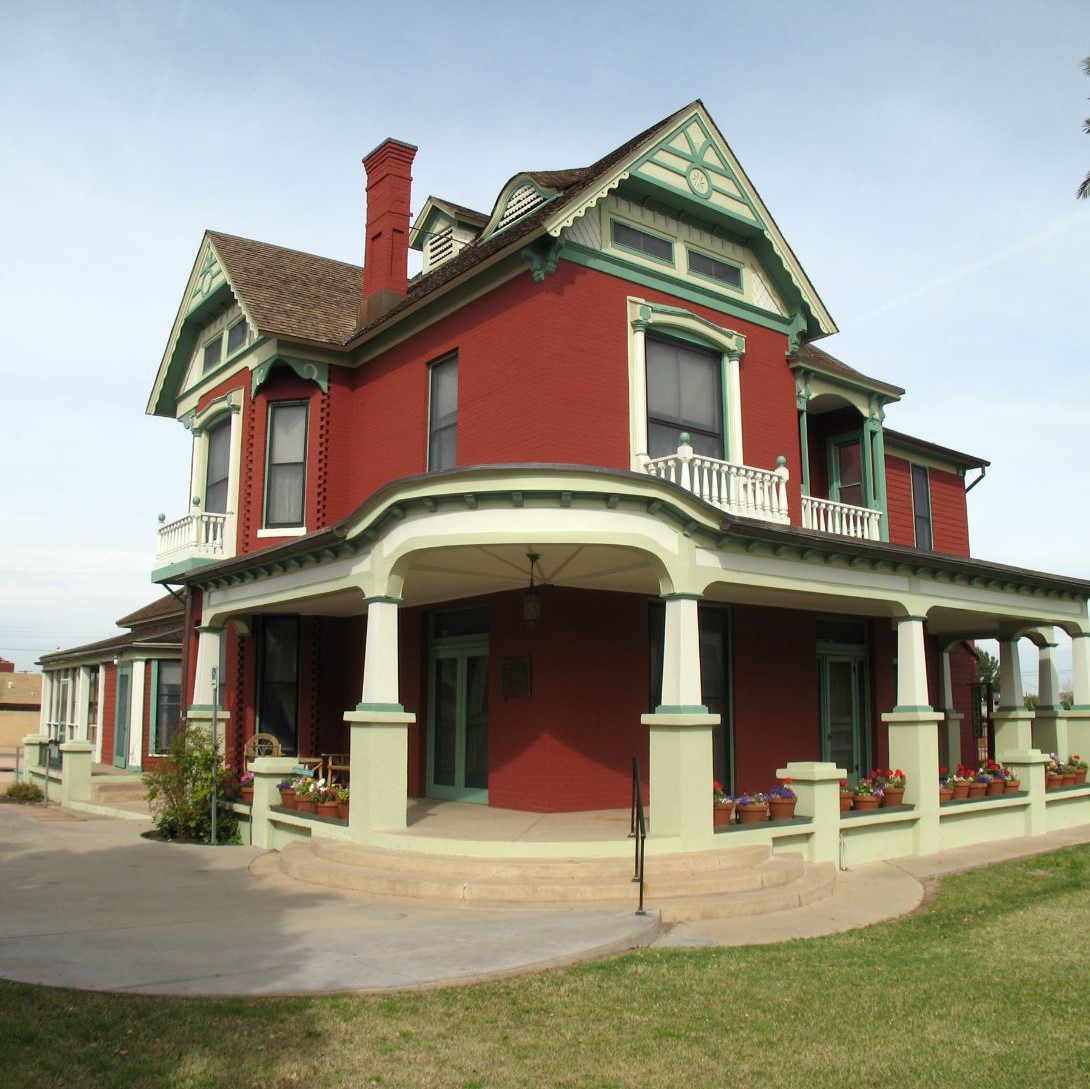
column 199, row 717
column 1029, row 766
column 1013, row 730
column 379, row 772
column 1078, row 732
column 680, row 775
column 33, row 749
column 268, row 771
column 76, row 771
column 1049, row 731
column 817, row 785
column 914, row 748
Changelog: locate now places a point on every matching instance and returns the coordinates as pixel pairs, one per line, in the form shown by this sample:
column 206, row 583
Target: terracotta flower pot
column 978, row 790
column 722, row 815
column 327, row 809
column 1013, row 786
column 1080, row 776
column 342, row 811
column 866, row 801
column 752, row 814
column 961, row 790
column 305, row 805
column 893, row 796
column 247, row 795
column 781, row 809
column 1069, row 778
column 287, row 797
column 946, row 794
column 1053, row 782
column 846, row 799
column 997, row 786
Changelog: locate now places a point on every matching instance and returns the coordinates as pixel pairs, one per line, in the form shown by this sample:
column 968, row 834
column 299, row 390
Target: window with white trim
column 921, row 506
column 443, row 414
column 643, row 242
column 168, row 705
column 218, row 466
column 285, row 473
column 684, row 394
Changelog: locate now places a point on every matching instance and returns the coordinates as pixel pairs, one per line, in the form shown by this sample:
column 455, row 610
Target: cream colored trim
column 272, row 534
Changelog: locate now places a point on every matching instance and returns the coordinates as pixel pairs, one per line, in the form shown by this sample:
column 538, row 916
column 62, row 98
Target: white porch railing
column 196, row 536
column 737, row 489
column 825, row 516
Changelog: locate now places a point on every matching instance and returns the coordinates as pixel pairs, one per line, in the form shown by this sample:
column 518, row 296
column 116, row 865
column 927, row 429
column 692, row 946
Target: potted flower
column 325, row 800
column 1054, row 773
column 1078, row 767
column 305, row 788
column 893, row 786
column 781, row 801
column 960, row 781
column 342, row 803
column 246, row 788
column 846, row 796
column 946, row 790
column 751, row 808
column 997, row 778
column 722, row 806
column 287, row 793
column 868, row 795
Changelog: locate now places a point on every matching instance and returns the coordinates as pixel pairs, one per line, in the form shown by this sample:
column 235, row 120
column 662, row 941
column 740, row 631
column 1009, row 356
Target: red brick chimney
column 386, row 255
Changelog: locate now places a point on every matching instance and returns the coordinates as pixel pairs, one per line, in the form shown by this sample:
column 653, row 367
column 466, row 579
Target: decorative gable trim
column 521, row 196
column 307, row 369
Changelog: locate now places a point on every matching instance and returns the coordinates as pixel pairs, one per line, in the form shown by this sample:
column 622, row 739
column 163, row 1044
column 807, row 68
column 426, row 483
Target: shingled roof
column 811, row 355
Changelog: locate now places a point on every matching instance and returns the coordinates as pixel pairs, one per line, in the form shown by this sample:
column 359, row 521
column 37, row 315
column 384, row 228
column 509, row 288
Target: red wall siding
column 899, row 502
column 775, row 692
column 949, row 513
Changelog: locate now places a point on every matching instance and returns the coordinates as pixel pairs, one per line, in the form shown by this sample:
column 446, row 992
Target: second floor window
column 443, row 418
column 848, row 474
column 921, row 506
column 684, row 393
column 218, row 468
column 285, row 475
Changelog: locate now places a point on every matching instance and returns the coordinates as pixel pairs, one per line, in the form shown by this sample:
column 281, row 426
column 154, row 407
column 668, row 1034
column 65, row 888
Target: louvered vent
column 524, row 199
column 440, row 247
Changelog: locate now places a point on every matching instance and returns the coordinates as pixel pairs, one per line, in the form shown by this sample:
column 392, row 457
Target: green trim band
column 395, row 708
column 681, row 709
column 681, row 597
column 905, row 619
column 383, row 599
column 903, row 708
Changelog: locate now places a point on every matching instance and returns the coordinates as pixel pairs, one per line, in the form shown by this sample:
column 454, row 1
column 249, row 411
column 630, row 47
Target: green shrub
column 180, row 791
column 24, row 792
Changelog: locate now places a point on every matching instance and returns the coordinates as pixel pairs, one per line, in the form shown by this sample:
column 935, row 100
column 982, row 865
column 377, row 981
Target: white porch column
column 680, row 743
column 1049, row 722
column 47, row 704
column 913, row 732
column 379, row 728
column 1078, row 718
column 1013, row 723
column 638, row 392
column 135, row 757
column 100, row 696
column 83, row 690
column 209, row 655
column 950, row 752
column 735, row 452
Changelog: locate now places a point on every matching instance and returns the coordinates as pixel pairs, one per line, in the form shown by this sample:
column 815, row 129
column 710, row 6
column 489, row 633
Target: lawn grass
column 984, row 986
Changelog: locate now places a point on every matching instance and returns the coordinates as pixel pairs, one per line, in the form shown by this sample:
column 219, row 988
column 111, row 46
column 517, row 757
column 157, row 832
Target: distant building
column 20, row 704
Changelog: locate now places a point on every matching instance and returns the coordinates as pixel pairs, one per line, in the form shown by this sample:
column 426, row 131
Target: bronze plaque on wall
column 515, row 678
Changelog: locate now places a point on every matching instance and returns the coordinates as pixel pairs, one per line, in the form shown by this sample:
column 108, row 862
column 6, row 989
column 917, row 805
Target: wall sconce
column 531, row 597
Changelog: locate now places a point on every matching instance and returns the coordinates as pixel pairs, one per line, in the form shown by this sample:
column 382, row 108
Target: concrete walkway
column 86, row 902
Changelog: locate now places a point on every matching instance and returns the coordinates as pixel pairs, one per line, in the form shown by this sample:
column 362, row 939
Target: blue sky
column 921, row 159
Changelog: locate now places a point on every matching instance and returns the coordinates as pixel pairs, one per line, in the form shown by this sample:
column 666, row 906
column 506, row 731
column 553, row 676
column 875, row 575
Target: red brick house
column 584, row 488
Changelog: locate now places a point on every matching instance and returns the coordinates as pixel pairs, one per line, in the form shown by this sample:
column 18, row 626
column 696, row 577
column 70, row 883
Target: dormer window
column 650, row 245
column 700, row 264
column 213, row 353
column 524, row 199
column 440, row 246
column 237, row 336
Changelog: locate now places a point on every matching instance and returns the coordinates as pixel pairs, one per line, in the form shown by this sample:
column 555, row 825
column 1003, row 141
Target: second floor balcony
column 748, row 492
column 195, row 538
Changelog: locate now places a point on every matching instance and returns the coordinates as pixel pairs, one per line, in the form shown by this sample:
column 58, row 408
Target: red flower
column 786, row 781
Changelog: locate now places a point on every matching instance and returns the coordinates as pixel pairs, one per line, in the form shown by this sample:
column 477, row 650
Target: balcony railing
column 825, row 516
column 737, row 489
column 196, row 536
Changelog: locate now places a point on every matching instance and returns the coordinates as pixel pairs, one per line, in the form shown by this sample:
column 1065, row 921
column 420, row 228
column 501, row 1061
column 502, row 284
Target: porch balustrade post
column 1029, row 766
column 1013, row 722
column 76, row 771
column 1078, row 718
column 913, row 733
column 268, row 771
column 680, row 742
column 1049, row 721
column 379, row 730
column 817, row 786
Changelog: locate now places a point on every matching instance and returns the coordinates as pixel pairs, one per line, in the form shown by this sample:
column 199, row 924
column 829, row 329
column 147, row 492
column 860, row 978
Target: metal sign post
column 215, row 746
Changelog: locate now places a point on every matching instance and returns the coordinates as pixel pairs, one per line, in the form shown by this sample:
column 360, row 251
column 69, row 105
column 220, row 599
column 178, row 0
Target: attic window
column 237, row 336
column 441, row 246
column 649, row 245
column 213, row 352
column 702, row 265
column 524, row 199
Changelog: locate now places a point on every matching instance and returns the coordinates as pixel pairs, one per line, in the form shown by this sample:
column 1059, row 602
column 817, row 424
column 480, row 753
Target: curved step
column 711, row 884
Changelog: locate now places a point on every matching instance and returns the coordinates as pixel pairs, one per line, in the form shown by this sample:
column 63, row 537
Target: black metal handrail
column 638, row 829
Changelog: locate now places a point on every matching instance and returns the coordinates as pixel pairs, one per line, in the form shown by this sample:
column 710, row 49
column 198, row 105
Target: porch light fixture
column 531, row 598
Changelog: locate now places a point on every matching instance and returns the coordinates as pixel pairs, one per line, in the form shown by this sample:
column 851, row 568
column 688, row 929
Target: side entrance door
column 121, row 716
column 845, row 738
column 458, row 718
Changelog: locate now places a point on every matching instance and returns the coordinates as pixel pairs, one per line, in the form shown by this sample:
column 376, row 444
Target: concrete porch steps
column 107, row 789
column 724, row 883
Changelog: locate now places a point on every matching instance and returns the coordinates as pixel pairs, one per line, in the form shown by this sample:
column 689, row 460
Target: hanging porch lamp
column 531, row 597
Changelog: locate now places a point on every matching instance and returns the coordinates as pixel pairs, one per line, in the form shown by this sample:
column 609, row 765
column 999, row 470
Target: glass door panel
column 458, row 722
column 121, row 717
column 843, row 712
